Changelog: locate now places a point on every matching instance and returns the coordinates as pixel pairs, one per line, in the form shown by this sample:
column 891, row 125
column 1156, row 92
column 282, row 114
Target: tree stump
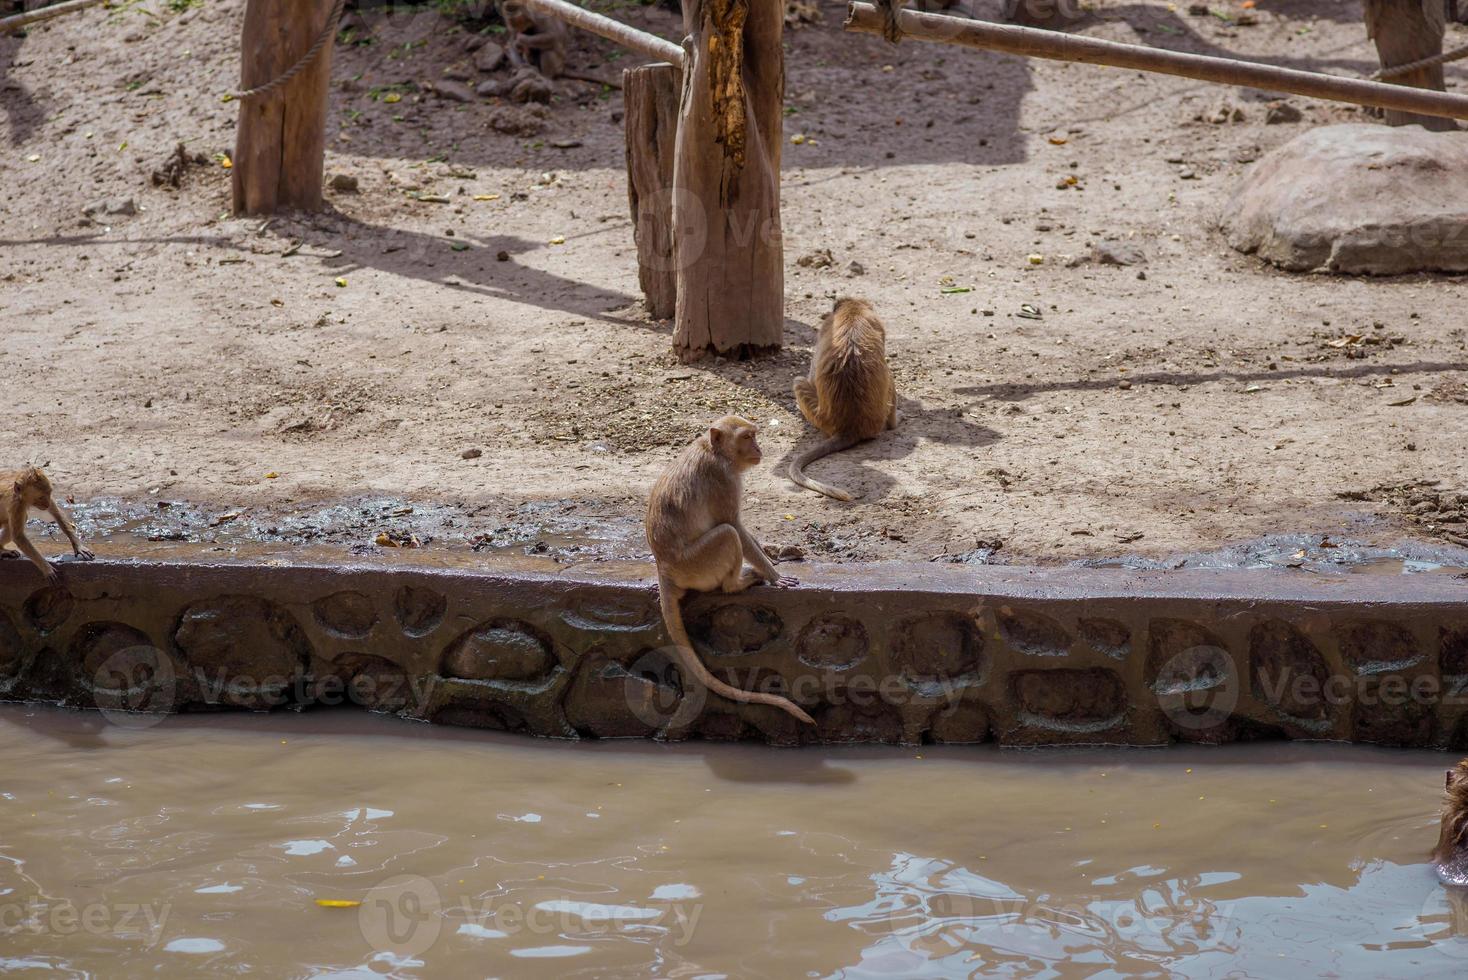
column 726, row 178
column 650, row 98
column 1404, row 31
column 280, row 146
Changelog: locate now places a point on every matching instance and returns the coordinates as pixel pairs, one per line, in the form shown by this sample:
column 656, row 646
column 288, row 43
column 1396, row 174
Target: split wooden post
column 650, row 99
column 280, row 144
column 1407, row 31
column 726, row 180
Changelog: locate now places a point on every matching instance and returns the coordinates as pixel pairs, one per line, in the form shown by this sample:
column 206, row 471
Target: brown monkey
column 1450, row 857
column 849, row 394
column 700, row 544
column 19, row 493
column 537, row 40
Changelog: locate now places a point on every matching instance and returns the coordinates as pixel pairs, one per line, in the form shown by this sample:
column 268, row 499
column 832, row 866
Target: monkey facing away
column 19, row 493
column 849, row 394
column 1450, row 857
column 700, row 544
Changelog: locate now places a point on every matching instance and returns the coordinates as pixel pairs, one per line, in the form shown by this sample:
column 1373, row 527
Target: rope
column 890, row 30
column 1457, row 54
column 327, row 33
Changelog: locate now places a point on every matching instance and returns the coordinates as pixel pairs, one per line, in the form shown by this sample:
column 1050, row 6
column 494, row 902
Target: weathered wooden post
column 650, row 99
column 726, row 178
column 280, row 144
column 1407, row 31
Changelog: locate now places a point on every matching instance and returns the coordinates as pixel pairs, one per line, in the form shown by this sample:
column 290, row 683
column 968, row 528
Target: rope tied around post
column 890, row 28
column 302, row 63
column 1395, row 71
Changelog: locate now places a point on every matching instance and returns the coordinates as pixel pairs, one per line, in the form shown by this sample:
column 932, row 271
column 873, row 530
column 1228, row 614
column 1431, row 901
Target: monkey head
column 516, row 16
column 734, row 439
column 34, row 488
column 1450, row 857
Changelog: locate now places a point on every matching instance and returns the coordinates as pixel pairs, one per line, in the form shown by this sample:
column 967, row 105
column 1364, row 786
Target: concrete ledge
column 887, row 653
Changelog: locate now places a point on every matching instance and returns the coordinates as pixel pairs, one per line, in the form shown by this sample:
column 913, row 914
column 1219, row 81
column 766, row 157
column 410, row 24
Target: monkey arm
column 756, row 556
column 70, row 530
column 540, row 39
column 24, row 544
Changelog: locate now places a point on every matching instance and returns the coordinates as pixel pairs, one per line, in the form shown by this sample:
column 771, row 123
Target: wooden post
column 1406, row 31
column 280, row 145
column 726, row 177
column 650, row 99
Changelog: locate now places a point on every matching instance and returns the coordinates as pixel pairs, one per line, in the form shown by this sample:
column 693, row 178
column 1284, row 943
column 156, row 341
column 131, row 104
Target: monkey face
column 746, row 447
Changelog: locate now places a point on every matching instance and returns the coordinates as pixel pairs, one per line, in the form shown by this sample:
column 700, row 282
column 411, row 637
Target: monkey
column 1449, row 855
column 538, row 42
column 700, row 544
column 849, row 394
column 19, row 492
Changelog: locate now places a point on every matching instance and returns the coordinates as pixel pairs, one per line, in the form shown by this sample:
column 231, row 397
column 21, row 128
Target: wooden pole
column 280, row 145
column 650, row 98
column 16, row 21
column 1407, row 31
column 864, row 18
column 726, row 180
column 654, row 47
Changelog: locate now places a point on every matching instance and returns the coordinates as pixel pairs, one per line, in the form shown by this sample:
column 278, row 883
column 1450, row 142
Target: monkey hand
column 53, row 577
column 785, row 582
column 84, row 554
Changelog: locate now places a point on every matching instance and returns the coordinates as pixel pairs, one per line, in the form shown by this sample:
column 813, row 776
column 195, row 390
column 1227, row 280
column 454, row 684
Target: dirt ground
column 266, row 378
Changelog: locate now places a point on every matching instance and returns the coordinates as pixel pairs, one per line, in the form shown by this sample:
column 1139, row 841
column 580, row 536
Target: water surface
column 204, row 845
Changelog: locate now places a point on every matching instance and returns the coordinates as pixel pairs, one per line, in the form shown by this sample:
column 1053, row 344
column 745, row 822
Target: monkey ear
column 716, row 436
column 19, row 487
column 1448, row 782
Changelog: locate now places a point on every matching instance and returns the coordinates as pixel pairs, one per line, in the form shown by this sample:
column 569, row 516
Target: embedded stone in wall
column 832, row 642
column 10, row 647
column 596, row 611
column 1378, row 646
column 504, row 650
column 1032, row 633
column 939, row 646
column 1107, row 636
column 49, row 608
column 1452, row 658
column 419, row 611
column 373, row 682
column 962, row 723
column 867, row 722
column 242, row 649
column 1079, row 699
column 736, row 628
column 1287, row 671
column 1177, row 649
column 1391, row 710
column 347, row 614
column 609, row 700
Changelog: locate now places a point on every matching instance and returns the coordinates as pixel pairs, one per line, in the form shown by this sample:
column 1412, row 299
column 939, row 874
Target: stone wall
column 888, row 653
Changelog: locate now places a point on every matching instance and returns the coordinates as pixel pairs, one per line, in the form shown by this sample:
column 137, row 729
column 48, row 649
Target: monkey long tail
column 668, row 595
column 798, row 465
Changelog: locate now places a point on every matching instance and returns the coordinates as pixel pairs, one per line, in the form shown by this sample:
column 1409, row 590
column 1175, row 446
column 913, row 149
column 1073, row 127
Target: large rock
column 1358, row 198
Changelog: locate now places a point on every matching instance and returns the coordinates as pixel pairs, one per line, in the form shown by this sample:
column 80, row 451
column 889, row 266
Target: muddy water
column 202, row 846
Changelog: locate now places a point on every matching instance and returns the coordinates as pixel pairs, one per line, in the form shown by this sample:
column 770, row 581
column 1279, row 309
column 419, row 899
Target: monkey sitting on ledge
column 700, row 544
column 19, row 493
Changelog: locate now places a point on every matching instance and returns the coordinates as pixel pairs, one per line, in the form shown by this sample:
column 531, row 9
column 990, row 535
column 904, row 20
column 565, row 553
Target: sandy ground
column 179, row 355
